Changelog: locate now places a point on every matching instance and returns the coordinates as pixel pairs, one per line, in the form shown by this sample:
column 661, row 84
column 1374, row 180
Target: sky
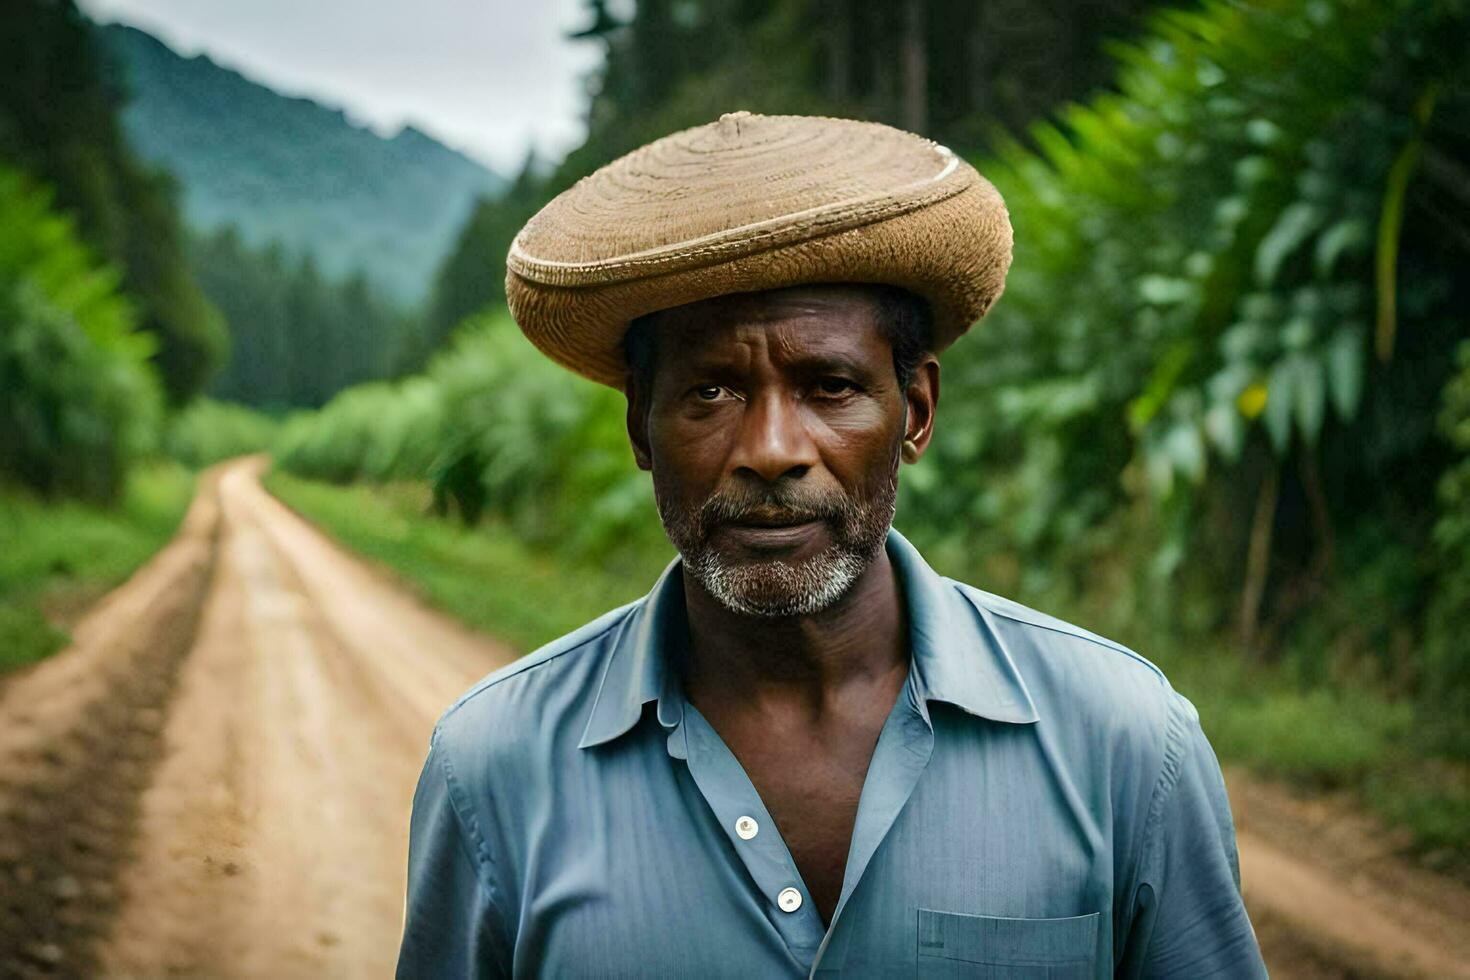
column 486, row 77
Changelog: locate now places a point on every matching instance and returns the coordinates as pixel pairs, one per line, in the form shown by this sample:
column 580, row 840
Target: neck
column 808, row 663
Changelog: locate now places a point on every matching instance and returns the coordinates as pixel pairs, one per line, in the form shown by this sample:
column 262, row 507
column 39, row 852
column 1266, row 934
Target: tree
column 79, row 400
column 59, row 102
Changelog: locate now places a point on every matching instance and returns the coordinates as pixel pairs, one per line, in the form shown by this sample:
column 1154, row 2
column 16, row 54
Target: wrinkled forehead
column 793, row 319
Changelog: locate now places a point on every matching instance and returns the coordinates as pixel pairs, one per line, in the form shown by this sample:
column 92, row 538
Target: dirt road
column 215, row 780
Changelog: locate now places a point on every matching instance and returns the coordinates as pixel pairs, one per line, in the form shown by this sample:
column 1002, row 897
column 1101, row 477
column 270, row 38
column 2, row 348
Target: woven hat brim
column 954, row 252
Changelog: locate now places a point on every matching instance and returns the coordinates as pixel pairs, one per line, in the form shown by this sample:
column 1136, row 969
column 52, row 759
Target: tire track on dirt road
column 80, row 739
column 274, row 838
column 214, row 780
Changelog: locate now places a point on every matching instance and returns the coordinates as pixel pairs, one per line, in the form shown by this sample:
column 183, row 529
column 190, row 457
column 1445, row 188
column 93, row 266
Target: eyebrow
column 817, row 362
column 823, row 361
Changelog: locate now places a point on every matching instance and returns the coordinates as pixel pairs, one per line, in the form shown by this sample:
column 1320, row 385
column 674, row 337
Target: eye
column 710, row 392
column 834, row 386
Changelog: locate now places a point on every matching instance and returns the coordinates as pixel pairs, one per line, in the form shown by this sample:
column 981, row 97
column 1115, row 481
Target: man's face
column 773, row 428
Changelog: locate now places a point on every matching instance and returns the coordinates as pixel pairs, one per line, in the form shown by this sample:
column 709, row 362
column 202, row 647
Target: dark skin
column 789, row 385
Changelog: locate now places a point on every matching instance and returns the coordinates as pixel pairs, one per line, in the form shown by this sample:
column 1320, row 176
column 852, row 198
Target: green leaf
column 1277, row 414
column 1253, row 170
column 1159, row 469
column 1260, row 306
column 1291, row 229
column 1262, row 132
column 1297, row 334
column 1164, row 290
column 1344, row 357
column 1243, row 340
column 1186, row 451
column 1310, row 388
column 1347, row 235
column 1227, row 383
column 1231, row 210
column 1225, row 429
column 1161, row 385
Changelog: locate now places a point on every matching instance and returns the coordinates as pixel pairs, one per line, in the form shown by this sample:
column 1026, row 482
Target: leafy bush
column 1228, row 311
column 375, row 431
column 208, row 431
column 79, row 399
column 492, row 425
column 59, row 106
column 489, row 577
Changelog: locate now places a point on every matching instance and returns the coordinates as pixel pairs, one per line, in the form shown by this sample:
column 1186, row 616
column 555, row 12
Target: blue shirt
column 1040, row 803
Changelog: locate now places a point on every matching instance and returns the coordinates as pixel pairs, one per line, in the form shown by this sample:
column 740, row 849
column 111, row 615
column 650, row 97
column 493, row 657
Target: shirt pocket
column 954, row 944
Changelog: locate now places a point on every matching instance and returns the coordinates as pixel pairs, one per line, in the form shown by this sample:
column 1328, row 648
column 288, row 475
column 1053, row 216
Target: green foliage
column 376, row 431
column 58, row 121
column 1319, row 737
column 494, row 424
column 1180, row 381
column 456, row 569
column 1195, row 294
column 551, row 452
column 1215, row 373
column 208, row 431
column 1432, row 799
column 297, row 338
column 57, row 556
column 79, row 399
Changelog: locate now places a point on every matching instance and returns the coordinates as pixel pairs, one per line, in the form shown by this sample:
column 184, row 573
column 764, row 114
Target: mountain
column 290, row 170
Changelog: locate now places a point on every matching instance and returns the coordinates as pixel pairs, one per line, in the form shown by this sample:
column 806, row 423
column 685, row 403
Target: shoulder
column 509, row 716
column 1041, row 638
column 1091, row 693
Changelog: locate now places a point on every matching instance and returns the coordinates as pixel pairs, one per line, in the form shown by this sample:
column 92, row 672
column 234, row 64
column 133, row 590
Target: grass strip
column 58, row 556
column 485, row 577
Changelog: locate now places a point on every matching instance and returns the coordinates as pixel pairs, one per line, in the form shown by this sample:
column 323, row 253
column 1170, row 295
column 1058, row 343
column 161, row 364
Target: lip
column 771, row 536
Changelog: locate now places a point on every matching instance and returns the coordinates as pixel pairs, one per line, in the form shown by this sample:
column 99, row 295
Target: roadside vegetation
column 487, row 577
column 1219, row 413
column 1258, row 716
column 57, row 557
column 209, row 431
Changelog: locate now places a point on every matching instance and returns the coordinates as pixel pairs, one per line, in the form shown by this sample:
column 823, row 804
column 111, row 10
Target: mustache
column 773, row 505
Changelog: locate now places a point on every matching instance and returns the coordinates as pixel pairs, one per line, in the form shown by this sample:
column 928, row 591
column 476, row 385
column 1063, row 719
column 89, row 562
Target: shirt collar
column 958, row 654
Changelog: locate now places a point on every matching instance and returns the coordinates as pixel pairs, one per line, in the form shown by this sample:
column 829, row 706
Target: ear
column 637, row 420
column 922, row 399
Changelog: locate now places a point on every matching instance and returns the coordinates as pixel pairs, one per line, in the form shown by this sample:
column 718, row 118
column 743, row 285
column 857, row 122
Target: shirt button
column 746, row 828
column 789, row 900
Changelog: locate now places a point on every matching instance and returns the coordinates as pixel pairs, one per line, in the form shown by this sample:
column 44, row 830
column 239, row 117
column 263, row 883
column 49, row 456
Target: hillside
column 291, row 170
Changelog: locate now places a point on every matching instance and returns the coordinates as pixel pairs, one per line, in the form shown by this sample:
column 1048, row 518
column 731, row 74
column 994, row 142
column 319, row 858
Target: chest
column 811, row 785
column 641, row 857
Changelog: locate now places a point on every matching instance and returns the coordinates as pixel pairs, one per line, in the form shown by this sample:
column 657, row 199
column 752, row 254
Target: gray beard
column 778, row 588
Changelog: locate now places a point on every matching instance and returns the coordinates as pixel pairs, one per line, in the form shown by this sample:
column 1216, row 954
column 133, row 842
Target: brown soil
column 1332, row 895
column 215, row 780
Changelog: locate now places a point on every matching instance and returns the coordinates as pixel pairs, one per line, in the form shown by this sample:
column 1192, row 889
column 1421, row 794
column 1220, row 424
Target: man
column 804, row 752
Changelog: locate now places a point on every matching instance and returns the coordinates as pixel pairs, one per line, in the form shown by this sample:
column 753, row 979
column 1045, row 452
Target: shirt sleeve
column 451, row 924
column 1189, row 919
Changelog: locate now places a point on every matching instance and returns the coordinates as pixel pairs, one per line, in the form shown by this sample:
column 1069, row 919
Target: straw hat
column 749, row 203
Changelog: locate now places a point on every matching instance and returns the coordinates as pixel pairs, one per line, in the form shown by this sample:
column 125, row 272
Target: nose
column 772, row 441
